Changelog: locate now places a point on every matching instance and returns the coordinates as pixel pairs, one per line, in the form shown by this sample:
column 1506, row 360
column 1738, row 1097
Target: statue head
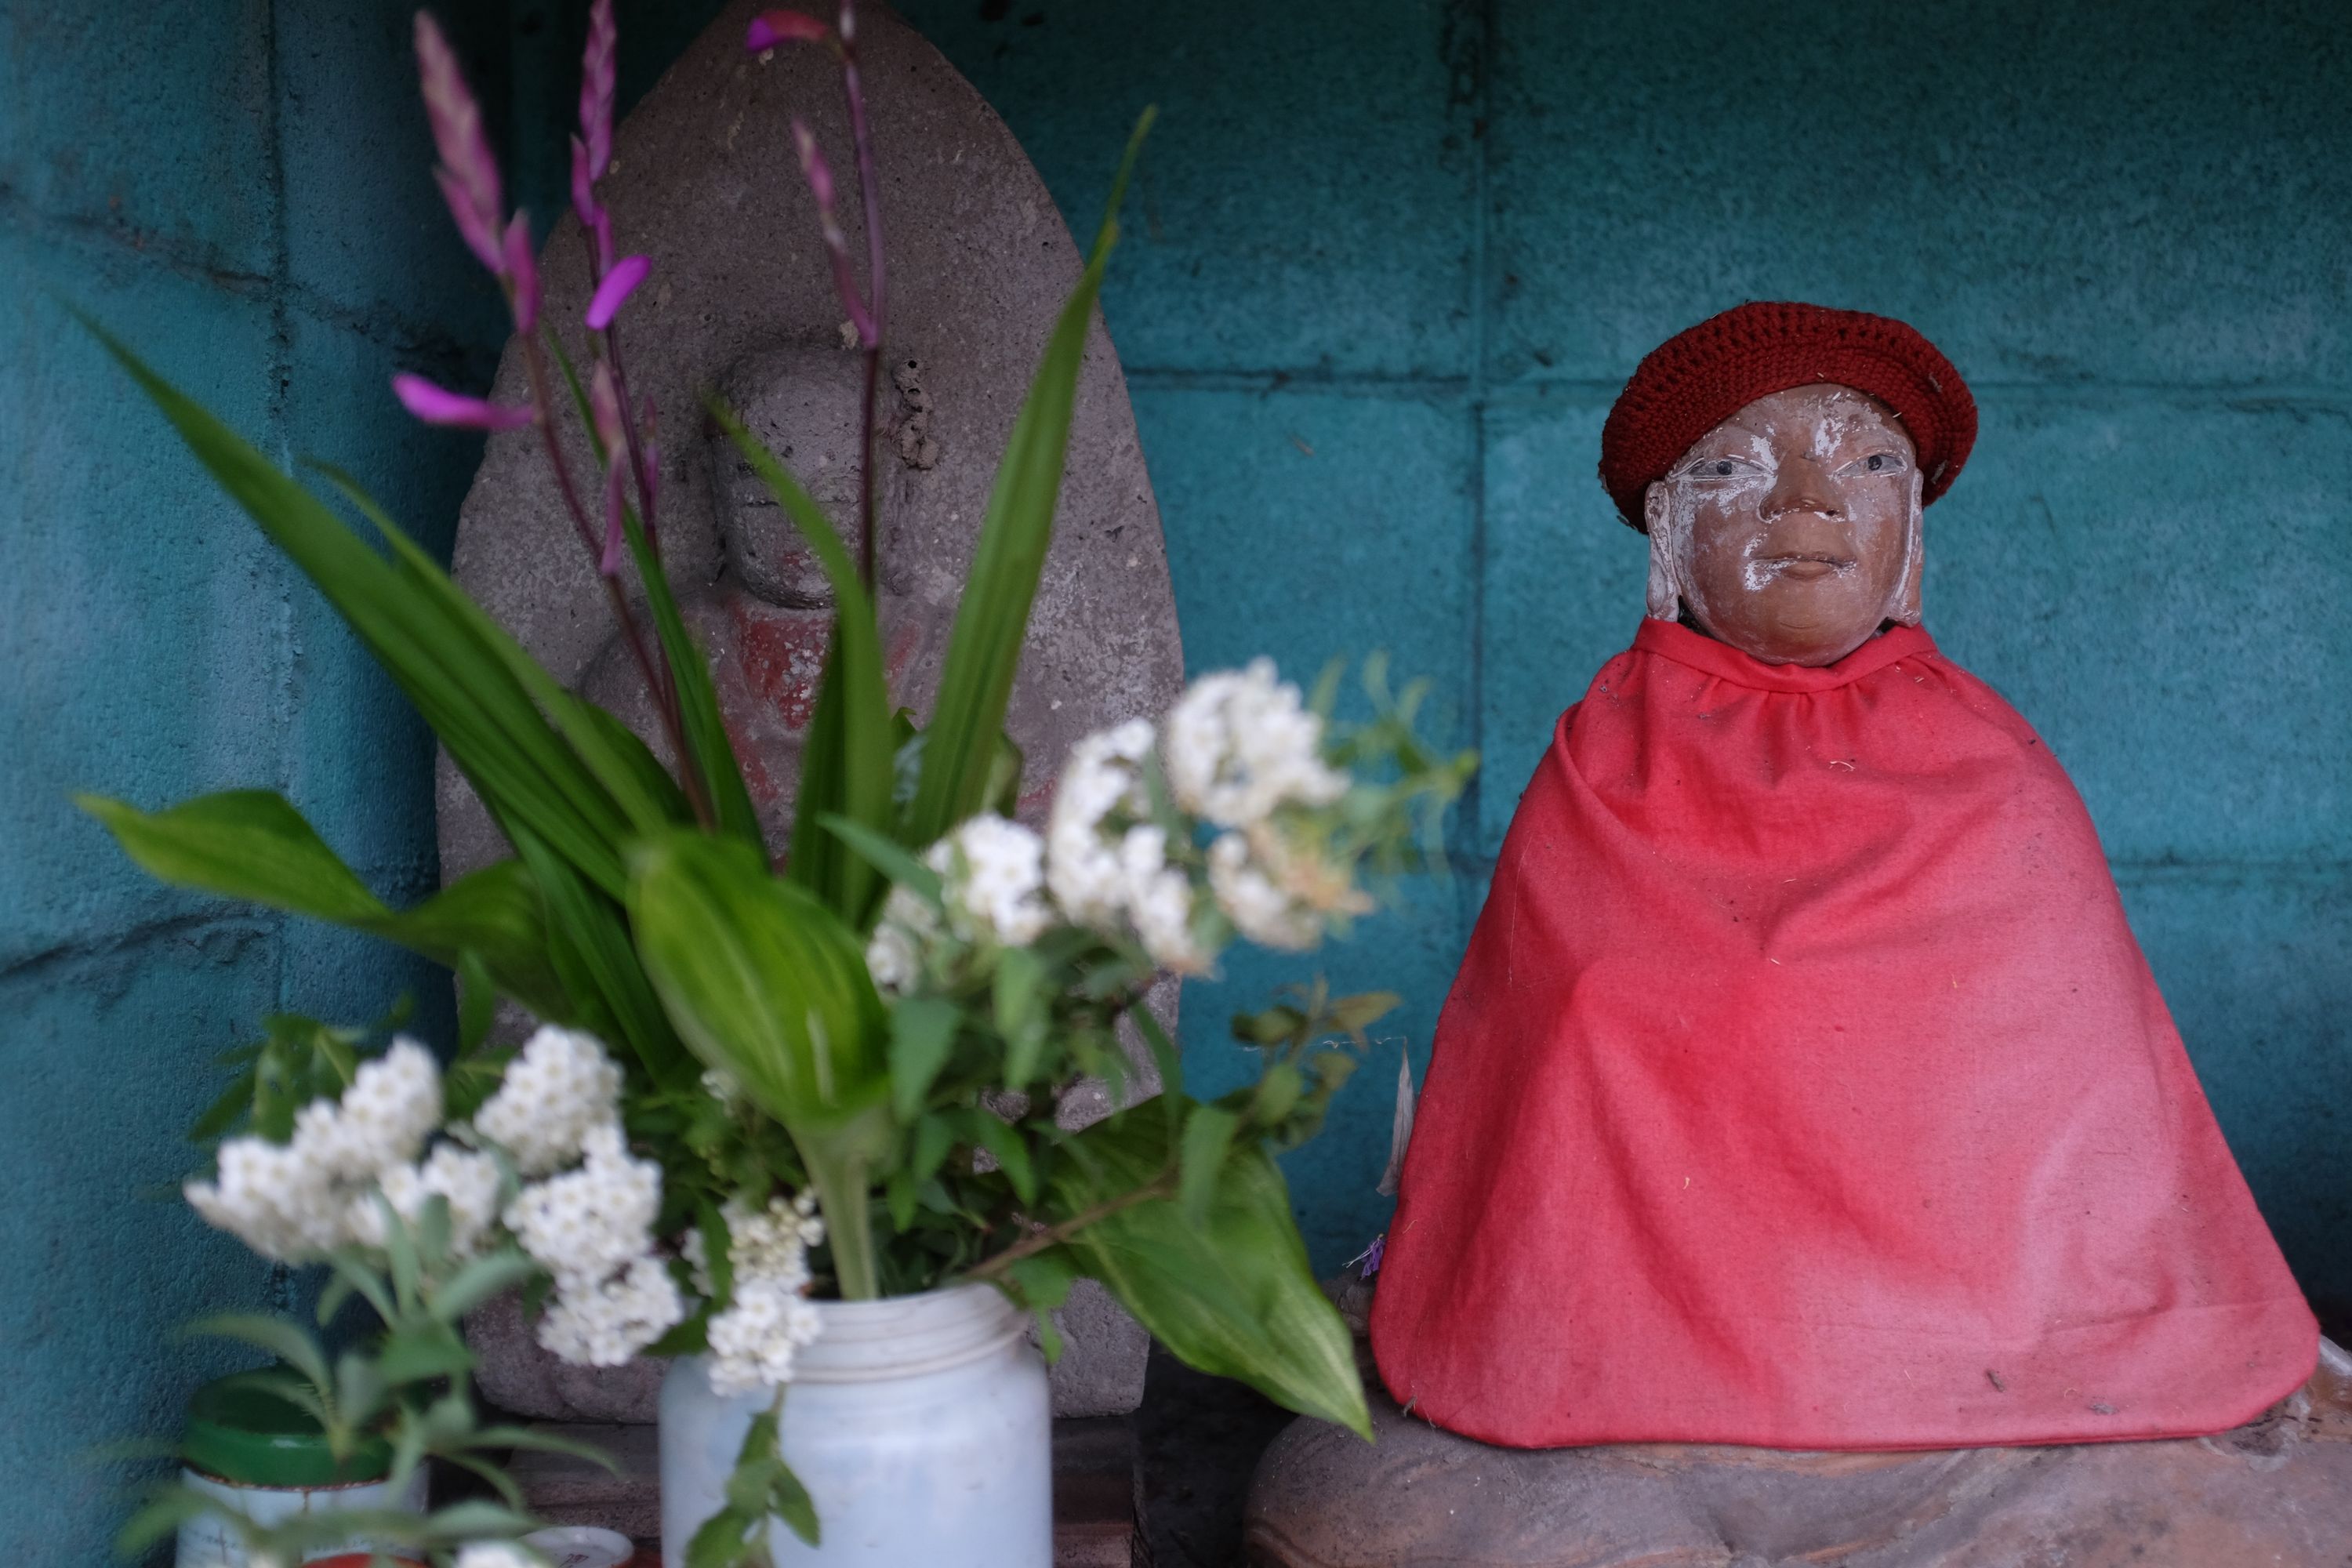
column 1792, row 530
column 1781, row 457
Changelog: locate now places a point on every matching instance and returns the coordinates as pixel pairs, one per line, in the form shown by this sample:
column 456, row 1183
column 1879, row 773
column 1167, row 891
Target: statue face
column 1791, row 529
column 802, row 403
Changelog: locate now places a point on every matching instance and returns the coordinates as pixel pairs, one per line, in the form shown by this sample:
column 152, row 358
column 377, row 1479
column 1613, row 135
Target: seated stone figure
column 1803, row 1088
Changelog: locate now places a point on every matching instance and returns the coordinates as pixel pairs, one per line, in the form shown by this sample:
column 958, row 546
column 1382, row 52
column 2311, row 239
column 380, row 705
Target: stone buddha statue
column 1808, row 1169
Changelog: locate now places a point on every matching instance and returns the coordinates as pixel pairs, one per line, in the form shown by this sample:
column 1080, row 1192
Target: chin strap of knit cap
column 1698, row 378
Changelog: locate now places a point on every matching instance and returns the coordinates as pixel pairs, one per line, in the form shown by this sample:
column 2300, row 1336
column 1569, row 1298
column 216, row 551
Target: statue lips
column 1807, row 568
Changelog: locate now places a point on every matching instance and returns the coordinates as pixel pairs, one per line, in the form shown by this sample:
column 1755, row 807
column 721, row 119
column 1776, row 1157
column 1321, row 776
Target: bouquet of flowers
column 831, row 1071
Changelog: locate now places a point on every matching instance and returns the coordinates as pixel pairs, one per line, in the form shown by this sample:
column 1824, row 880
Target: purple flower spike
column 596, row 79
column 836, row 244
column 522, row 273
column 770, row 28
column 468, row 174
column 438, row 406
column 583, row 184
column 619, row 284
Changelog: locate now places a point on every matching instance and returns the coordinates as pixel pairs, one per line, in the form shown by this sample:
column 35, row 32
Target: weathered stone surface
column 2276, row 1491
column 515, row 1374
column 740, row 300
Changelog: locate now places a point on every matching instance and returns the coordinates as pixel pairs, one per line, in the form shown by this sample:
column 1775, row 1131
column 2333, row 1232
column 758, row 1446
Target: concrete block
column 1308, row 201
column 145, row 613
column 2050, row 193
column 367, row 236
column 2147, row 580
column 148, row 128
column 1563, row 582
column 110, row 1057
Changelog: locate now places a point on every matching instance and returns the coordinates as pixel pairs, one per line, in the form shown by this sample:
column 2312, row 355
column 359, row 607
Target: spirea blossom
column 467, row 1180
column 1259, row 909
column 605, row 1325
column 583, row 1225
column 993, row 891
column 995, row 880
column 767, row 1320
column 755, row 1343
column 293, row 1202
column 1159, row 899
column 1239, row 744
column 562, row 1085
column 1103, row 777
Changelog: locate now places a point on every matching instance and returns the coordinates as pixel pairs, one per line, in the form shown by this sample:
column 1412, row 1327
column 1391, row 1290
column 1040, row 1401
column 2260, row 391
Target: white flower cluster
column 591, row 1228
column 296, row 1201
column 559, row 1085
column 991, row 889
column 1240, row 744
column 768, row 1318
column 1240, row 752
column 559, row 1104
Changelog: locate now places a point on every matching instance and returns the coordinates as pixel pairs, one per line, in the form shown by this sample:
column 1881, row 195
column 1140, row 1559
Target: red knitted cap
column 1697, row 378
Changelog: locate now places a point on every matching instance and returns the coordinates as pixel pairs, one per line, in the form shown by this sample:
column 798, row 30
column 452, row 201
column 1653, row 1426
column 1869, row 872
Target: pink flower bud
column 770, row 28
column 522, row 273
column 468, row 174
column 438, row 406
column 596, row 79
column 618, row 285
column 583, row 184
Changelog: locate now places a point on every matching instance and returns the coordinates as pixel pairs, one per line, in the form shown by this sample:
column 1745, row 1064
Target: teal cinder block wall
column 242, row 190
column 1388, row 262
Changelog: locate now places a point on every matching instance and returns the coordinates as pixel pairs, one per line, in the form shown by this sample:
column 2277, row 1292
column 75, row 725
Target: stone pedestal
column 2278, row 1491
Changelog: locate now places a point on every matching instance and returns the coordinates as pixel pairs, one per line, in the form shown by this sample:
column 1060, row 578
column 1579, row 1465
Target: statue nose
column 1800, row 486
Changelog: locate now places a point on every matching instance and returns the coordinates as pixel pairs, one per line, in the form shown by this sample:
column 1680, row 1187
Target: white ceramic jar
column 920, row 1425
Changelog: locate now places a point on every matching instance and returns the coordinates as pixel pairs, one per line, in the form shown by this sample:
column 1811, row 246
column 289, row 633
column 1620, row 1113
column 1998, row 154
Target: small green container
column 239, row 1433
column 258, row 1456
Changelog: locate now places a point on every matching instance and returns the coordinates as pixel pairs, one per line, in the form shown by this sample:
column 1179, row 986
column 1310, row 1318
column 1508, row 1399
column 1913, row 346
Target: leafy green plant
column 861, row 1023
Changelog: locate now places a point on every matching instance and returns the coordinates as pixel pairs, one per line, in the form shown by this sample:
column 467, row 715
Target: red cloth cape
column 1803, row 1087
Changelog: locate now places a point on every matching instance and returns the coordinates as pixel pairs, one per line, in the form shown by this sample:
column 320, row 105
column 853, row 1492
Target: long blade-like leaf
column 589, row 944
column 847, row 764
column 993, row 619
column 252, row 845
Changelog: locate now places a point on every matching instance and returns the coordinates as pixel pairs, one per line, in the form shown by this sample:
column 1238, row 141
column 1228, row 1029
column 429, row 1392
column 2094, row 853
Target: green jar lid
column 249, row 1436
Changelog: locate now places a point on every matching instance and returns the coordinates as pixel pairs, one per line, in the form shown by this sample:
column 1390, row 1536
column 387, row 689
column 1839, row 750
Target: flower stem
column 657, row 678
column 869, row 191
column 1050, row 1237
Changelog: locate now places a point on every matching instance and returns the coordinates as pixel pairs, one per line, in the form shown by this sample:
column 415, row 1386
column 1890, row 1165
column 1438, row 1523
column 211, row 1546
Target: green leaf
column 846, row 763
column 590, row 947
column 252, row 845
column 922, row 1033
column 765, row 982
column 1019, row 995
column 1006, row 1146
column 960, row 747
column 713, row 754
column 419, row 1352
column 1208, row 1139
column 479, row 1281
column 1233, row 1295
column 886, row 855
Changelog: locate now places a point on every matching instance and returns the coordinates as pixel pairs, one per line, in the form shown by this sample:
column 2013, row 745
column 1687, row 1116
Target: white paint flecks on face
column 1792, row 530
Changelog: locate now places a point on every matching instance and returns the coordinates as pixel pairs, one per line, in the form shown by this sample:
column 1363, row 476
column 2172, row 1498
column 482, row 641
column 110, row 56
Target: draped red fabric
column 1803, row 1087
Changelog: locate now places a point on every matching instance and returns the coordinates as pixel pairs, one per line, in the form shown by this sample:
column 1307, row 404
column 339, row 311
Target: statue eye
column 1877, row 463
column 1721, row 469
